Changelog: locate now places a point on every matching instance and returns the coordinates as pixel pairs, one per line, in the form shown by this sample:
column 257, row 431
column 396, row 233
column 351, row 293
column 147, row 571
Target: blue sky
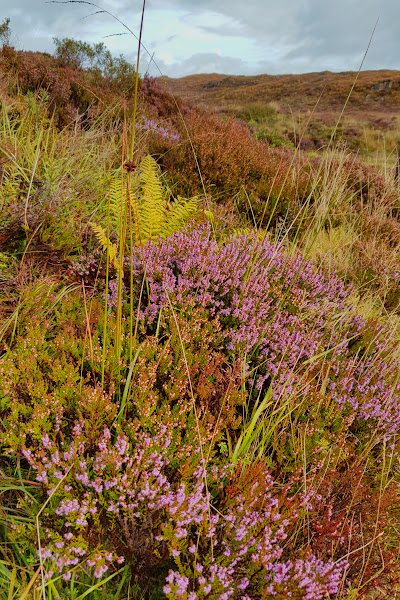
column 224, row 36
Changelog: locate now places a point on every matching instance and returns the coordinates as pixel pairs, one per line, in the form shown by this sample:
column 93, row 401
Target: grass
column 208, row 410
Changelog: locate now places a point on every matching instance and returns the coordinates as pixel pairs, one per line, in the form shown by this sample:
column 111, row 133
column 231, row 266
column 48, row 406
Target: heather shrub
column 151, row 512
column 306, row 144
column 217, row 325
column 69, row 90
column 159, row 103
column 230, row 160
column 349, row 508
column 367, row 186
column 145, row 483
column 208, row 417
column 277, row 314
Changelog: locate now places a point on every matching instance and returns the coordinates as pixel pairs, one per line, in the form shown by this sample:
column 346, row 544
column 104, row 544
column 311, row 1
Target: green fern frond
column 105, row 243
column 237, row 232
column 117, row 201
column 209, row 215
column 152, row 206
column 261, row 233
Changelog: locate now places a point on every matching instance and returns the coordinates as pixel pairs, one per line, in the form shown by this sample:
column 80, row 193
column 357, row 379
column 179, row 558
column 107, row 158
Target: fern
column 107, row 246
column 153, row 216
column 237, row 232
column 152, row 206
column 117, row 200
column 180, row 211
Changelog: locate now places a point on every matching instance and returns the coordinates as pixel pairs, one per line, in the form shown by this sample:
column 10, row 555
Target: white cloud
column 225, row 35
column 166, row 58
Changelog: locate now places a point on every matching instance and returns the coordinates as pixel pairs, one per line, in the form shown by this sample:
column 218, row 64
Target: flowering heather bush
column 279, row 315
column 140, row 493
column 156, row 129
column 126, row 490
column 133, row 462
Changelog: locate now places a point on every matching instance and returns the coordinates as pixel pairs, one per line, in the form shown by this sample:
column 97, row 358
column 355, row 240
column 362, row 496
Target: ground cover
column 288, row 109
column 199, row 365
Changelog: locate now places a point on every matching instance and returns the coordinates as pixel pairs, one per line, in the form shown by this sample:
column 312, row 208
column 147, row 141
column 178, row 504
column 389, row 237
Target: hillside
column 286, row 110
column 374, row 92
column 199, row 347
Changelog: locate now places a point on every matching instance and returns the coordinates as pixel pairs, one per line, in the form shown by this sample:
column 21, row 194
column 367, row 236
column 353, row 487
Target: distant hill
column 374, row 91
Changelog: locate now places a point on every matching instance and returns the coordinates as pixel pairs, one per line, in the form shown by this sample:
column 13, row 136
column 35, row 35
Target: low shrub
column 231, row 160
column 145, row 483
column 278, row 314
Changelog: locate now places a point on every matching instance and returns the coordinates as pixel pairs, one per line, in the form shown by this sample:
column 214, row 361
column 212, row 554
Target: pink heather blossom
column 314, row 315
column 100, row 570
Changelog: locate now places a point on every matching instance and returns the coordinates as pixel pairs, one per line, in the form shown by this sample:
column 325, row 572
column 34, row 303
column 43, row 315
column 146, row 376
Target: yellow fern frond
column 180, row 211
column 107, row 246
column 117, row 202
column 209, row 215
column 152, row 208
column 152, row 215
column 260, row 233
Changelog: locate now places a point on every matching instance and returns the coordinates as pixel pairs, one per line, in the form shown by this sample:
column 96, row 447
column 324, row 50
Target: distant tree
column 74, row 54
column 5, row 33
column 95, row 58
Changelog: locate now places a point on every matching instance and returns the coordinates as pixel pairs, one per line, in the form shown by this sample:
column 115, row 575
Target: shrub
column 274, row 139
column 350, row 508
column 70, row 91
column 230, row 160
column 99, row 63
column 145, row 483
column 279, row 314
column 5, row 33
column 282, row 318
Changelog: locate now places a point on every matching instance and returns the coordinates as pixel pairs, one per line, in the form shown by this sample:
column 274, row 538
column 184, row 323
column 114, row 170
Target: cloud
column 166, row 58
column 307, row 34
column 226, row 36
column 211, row 63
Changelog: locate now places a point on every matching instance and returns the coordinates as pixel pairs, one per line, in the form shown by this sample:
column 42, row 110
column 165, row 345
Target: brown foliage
column 351, row 516
column 70, row 91
column 295, row 92
column 234, row 164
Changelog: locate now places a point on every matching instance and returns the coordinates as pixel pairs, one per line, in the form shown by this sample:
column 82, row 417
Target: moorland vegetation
column 199, row 346
column 286, row 109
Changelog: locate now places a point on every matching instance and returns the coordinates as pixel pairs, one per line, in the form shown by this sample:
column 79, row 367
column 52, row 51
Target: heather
column 199, row 362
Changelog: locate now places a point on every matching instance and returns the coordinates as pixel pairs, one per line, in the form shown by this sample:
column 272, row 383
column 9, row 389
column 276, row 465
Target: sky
column 236, row 37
